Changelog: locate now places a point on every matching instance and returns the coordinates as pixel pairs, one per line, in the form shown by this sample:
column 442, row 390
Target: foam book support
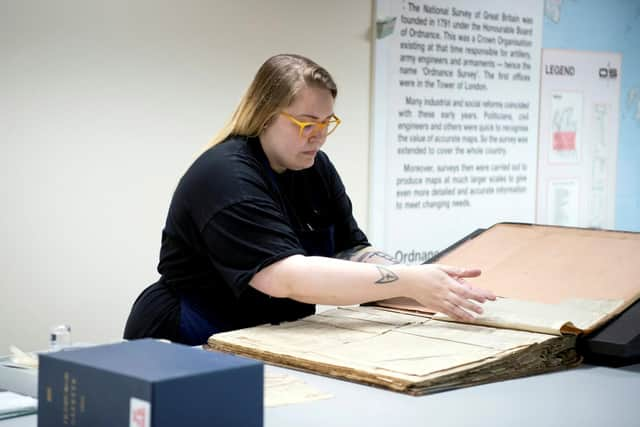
column 146, row 383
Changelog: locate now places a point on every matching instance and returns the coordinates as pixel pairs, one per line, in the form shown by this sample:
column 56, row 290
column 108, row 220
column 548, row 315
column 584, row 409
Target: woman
column 260, row 226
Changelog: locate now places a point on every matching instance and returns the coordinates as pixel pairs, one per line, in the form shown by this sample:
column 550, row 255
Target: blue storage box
column 146, row 383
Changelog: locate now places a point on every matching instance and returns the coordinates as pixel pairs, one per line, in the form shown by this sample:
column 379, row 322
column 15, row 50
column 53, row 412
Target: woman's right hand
column 444, row 289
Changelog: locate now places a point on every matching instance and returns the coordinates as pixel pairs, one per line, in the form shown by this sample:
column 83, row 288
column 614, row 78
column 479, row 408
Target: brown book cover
column 549, row 265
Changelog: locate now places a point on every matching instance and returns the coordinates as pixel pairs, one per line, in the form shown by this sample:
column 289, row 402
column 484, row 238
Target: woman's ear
column 267, row 123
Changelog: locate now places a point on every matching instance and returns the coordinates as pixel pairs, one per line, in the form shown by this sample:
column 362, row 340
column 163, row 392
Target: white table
column 584, row 396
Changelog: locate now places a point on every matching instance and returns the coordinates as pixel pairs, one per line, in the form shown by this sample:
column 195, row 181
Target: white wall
column 103, row 105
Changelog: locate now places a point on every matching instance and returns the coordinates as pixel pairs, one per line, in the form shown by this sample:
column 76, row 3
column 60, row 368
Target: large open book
column 550, row 293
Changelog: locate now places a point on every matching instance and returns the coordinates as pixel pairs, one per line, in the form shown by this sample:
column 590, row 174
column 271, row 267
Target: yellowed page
column 568, row 316
column 430, row 346
column 382, row 342
column 284, row 389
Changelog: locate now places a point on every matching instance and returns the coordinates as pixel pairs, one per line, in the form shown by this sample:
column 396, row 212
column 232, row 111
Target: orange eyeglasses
column 311, row 128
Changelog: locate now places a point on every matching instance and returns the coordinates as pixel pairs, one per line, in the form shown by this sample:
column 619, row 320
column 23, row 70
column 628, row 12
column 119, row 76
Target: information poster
column 580, row 95
column 455, row 120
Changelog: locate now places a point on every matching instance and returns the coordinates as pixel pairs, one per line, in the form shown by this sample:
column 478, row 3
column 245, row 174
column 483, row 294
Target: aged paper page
column 569, row 316
column 395, row 350
column 281, row 388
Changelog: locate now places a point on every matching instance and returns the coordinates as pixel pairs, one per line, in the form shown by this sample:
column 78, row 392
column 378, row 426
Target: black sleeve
column 247, row 236
column 347, row 232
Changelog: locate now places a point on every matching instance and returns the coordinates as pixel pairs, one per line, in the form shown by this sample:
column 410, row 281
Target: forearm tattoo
column 349, row 253
column 386, row 275
column 368, row 255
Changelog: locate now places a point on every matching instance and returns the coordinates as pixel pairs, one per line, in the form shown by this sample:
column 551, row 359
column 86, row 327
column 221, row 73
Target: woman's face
column 281, row 140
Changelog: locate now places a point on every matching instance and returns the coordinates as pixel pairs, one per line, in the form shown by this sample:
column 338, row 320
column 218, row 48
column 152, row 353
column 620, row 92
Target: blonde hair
column 274, row 87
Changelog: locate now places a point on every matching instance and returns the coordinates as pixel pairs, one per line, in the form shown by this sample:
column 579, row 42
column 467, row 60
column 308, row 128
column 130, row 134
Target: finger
column 467, row 304
column 485, row 293
column 471, row 272
column 475, row 293
column 463, row 282
column 460, row 272
column 450, row 270
column 457, row 313
column 467, row 292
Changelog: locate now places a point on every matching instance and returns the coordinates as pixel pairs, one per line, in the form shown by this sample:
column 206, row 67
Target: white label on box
column 139, row 413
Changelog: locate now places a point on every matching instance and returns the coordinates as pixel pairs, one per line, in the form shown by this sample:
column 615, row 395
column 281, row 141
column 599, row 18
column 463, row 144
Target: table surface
column 584, row 396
